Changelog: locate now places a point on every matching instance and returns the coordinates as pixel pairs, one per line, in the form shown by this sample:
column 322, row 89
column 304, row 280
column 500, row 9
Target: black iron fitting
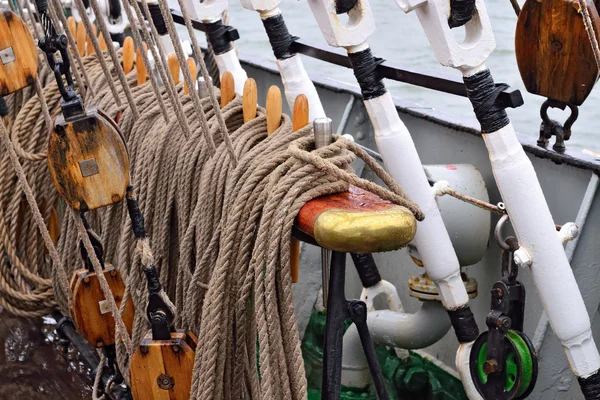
column 158, row 312
column 96, row 244
column 220, row 36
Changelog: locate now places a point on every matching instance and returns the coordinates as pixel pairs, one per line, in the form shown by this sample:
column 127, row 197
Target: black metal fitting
column 344, row 6
column 367, row 269
column 220, row 36
column 550, row 127
column 338, row 310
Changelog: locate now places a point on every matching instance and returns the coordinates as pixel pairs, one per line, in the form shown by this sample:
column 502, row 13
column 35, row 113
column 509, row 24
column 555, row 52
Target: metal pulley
column 503, row 362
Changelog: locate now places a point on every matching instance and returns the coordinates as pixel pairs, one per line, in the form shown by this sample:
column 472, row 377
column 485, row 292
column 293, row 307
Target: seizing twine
column 219, row 206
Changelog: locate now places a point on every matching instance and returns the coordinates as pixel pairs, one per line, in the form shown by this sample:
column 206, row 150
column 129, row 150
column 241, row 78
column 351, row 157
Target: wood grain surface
column 19, row 61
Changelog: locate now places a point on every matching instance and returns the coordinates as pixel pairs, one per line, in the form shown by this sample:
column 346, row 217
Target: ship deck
column 35, row 365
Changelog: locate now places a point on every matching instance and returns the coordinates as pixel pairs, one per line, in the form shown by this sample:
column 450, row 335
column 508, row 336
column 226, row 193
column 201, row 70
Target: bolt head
column 490, row 366
column 522, row 258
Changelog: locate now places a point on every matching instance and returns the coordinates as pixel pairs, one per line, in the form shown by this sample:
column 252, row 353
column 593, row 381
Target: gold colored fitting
column 365, row 232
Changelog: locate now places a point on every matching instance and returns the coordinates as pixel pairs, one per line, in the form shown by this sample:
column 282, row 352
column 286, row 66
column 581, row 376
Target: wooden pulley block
column 162, row 369
column 18, row 54
column 553, row 50
column 91, row 312
column 88, row 160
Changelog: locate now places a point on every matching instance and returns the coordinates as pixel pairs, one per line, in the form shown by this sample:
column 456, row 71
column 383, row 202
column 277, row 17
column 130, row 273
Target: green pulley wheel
column 520, row 371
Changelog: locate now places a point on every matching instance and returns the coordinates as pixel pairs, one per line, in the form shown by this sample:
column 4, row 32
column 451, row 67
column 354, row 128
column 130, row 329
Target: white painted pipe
column 396, row 329
column 542, row 249
column 229, row 62
column 463, row 365
column 402, row 162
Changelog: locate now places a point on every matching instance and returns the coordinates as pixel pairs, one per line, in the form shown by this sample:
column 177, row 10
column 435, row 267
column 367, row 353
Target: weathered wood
column 174, row 68
column 142, row 74
column 19, row 61
column 193, row 71
column 90, row 46
column 91, row 313
column 273, row 109
column 553, row 51
column 299, row 121
column 357, row 221
column 249, row 100
column 128, row 54
column 227, row 88
column 88, row 161
column 162, row 369
column 81, row 38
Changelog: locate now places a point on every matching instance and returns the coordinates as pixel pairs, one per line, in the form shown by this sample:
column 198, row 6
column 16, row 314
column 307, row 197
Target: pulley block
column 162, row 369
column 88, row 160
column 91, row 312
column 18, row 54
column 517, row 378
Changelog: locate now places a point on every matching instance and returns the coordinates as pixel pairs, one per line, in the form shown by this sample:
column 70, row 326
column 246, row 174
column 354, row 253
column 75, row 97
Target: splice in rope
column 503, row 361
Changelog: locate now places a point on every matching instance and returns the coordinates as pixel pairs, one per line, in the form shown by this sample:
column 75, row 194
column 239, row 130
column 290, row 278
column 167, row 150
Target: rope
column 589, row 28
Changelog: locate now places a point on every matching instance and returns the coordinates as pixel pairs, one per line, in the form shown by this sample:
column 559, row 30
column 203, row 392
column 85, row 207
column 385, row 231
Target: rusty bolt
column 99, row 343
column 176, row 349
column 86, row 279
column 503, row 322
column 165, row 382
column 113, row 273
column 498, row 292
column 490, row 366
column 144, row 349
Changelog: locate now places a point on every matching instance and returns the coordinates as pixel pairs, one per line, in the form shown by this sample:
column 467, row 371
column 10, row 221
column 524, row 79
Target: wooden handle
column 249, row 100
column 227, row 88
column 274, row 108
column 102, row 42
column 81, row 38
column 299, row 121
column 174, row 68
column 128, row 54
column 193, row 71
column 72, row 24
column 142, row 74
column 90, row 47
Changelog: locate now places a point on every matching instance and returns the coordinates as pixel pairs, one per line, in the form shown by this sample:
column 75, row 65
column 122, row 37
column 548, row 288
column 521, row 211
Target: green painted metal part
column 522, row 356
column 410, row 377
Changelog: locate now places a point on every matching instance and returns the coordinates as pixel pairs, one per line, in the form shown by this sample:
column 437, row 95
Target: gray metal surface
column 442, row 139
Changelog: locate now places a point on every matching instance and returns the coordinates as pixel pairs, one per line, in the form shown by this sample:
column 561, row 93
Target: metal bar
column 430, row 80
column 337, row 312
column 66, row 329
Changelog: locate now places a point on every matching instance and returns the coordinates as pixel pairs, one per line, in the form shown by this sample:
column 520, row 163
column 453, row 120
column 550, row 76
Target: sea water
column 399, row 38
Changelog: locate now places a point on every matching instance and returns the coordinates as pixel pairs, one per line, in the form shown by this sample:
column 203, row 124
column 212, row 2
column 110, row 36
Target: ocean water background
column 400, row 39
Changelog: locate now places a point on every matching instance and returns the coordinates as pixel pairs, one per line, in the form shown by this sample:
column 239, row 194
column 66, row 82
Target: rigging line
column 139, row 45
column 168, row 18
column 196, row 48
column 113, row 55
column 88, row 27
column 161, row 61
column 589, row 28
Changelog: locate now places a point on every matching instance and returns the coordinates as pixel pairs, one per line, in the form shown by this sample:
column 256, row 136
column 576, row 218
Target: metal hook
column 498, row 233
column 549, row 128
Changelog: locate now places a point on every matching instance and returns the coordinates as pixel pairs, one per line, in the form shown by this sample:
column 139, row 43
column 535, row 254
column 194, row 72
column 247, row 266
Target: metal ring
column 498, row 233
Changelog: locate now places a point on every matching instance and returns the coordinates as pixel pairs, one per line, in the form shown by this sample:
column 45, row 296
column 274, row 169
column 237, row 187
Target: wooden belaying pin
column 227, row 88
column 299, row 121
column 174, row 68
column 193, row 71
column 81, row 38
column 249, row 100
column 90, row 47
column 128, row 54
column 72, row 24
column 102, row 42
column 142, row 74
column 274, row 108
